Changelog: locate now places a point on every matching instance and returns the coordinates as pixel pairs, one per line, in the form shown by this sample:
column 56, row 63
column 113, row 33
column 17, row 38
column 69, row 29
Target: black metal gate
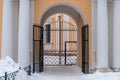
column 58, row 57
column 58, row 51
column 85, row 49
column 37, row 48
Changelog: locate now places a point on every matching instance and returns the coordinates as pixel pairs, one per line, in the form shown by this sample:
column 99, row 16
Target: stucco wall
column 65, row 35
column 83, row 5
column 40, row 6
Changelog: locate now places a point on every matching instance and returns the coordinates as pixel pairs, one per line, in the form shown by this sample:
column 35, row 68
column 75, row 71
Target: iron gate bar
column 33, row 51
column 41, row 50
column 34, row 26
column 40, row 40
column 66, row 47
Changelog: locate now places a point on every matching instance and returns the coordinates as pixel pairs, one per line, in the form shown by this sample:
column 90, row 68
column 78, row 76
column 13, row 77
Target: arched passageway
column 80, row 22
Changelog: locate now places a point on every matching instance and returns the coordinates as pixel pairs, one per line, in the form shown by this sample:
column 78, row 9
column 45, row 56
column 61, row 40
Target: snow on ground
column 72, row 73
column 8, row 65
column 102, row 76
column 55, row 73
column 21, row 75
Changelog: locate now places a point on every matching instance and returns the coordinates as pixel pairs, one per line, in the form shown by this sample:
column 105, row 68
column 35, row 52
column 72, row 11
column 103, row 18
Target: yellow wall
column 71, row 34
column 85, row 6
column 42, row 5
column 54, row 33
column 1, row 7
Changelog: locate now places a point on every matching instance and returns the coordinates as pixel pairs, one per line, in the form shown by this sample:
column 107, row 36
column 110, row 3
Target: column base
column 115, row 69
column 105, row 69
column 92, row 71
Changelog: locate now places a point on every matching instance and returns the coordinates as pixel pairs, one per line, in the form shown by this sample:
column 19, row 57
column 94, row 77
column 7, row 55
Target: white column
column 23, row 35
column 7, row 29
column 116, row 34
column 66, row 33
column 102, row 34
column 57, row 33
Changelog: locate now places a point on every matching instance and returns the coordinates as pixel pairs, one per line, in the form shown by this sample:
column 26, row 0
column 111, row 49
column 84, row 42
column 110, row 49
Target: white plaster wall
column 15, row 19
column 7, row 29
column 23, row 40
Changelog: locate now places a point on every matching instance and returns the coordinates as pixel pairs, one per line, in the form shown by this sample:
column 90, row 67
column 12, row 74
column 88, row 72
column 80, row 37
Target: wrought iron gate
column 37, row 48
column 58, row 57
column 59, row 51
column 85, row 49
column 50, row 48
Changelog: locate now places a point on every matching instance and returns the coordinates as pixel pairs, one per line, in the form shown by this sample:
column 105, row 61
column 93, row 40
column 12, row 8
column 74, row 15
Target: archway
column 78, row 17
column 63, row 8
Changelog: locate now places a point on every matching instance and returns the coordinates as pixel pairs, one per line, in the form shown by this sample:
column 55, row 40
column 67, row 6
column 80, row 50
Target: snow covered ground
column 72, row 73
column 8, row 65
column 102, row 76
column 55, row 73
